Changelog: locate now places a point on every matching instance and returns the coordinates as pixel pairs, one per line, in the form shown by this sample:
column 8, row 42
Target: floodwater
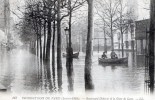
column 21, row 72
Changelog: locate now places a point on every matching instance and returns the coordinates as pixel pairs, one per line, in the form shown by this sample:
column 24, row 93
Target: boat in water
column 75, row 55
column 113, row 61
column 2, row 88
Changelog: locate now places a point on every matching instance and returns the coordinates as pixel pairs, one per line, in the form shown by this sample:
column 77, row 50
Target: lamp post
column 105, row 39
column 132, row 33
column 66, row 33
column 105, row 42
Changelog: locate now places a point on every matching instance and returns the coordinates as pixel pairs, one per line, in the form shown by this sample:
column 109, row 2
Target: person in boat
column 104, row 56
column 64, row 54
column 113, row 55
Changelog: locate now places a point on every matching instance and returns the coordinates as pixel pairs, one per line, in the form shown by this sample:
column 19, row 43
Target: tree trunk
column 105, row 40
column 44, row 52
column 40, row 40
column 53, row 50
column 151, row 45
column 121, row 27
column 127, row 42
column 59, row 61
column 122, row 44
column 37, row 46
column 112, row 37
column 37, row 40
column 119, row 44
column 112, row 43
column 48, row 37
column 88, row 58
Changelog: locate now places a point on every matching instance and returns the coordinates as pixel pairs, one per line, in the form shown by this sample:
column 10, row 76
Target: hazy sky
column 143, row 6
column 13, row 6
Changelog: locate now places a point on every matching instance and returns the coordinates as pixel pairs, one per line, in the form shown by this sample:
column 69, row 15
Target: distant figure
column 64, row 55
column 104, row 56
column 113, row 55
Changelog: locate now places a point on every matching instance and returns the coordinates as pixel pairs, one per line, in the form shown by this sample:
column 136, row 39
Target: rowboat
column 113, row 61
column 2, row 88
column 75, row 55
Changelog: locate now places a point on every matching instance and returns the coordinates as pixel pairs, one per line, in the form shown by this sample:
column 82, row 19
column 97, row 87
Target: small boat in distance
column 75, row 55
column 113, row 61
column 2, row 88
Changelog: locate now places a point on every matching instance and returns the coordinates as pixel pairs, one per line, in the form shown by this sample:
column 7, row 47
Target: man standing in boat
column 104, row 56
column 114, row 55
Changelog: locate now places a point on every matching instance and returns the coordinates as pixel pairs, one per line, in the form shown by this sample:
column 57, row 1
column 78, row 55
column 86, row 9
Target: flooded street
column 21, row 73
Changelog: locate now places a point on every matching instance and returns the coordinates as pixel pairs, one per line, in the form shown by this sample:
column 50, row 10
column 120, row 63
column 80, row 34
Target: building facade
column 141, row 37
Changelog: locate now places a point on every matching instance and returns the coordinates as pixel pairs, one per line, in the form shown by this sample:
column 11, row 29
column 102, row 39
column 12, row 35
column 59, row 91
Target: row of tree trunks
column 44, row 51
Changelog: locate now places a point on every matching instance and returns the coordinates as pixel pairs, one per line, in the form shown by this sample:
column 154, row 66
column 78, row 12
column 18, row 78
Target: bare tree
column 122, row 22
column 107, row 11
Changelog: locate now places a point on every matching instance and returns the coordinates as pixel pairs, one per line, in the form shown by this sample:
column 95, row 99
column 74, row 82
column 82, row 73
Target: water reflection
column 19, row 73
column 54, row 77
column 22, row 71
column 88, row 78
column 59, row 72
column 120, row 79
column 47, row 77
column 70, row 76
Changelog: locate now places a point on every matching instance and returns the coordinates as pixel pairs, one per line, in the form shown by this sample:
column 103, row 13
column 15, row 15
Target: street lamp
column 132, row 29
column 66, row 33
column 132, row 34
